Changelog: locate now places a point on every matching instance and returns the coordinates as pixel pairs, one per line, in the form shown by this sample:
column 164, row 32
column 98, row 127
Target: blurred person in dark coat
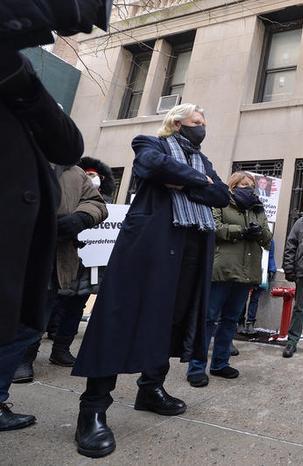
column 34, row 131
column 81, row 207
column 153, row 301
column 293, row 269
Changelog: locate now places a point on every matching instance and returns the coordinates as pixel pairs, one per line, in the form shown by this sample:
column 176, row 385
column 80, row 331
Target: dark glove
column 271, row 276
column 16, row 74
column 252, row 232
column 290, row 277
column 69, row 226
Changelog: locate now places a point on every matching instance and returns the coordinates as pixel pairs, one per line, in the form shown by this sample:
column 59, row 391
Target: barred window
column 264, row 167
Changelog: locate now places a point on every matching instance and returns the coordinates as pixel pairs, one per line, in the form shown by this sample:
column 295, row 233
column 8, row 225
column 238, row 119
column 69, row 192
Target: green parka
column 237, row 259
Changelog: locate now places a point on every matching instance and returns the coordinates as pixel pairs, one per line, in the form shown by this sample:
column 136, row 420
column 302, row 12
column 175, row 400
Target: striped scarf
column 185, row 212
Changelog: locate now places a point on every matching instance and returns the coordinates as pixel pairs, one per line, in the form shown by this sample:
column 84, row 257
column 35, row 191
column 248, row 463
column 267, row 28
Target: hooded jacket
column 104, row 172
column 77, row 195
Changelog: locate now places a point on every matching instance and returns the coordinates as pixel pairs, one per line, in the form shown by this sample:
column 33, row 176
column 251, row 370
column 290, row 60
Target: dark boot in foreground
column 93, row 436
column 25, row 372
column 13, row 421
column 61, row 355
column 157, row 400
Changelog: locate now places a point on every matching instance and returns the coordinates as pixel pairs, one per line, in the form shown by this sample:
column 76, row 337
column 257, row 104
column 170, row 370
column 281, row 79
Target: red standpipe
column 288, row 295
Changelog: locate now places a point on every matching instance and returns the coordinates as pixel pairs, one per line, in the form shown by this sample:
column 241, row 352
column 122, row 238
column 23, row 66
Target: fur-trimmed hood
column 104, row 171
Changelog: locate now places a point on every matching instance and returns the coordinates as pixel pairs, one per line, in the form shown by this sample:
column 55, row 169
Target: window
column 180, row 55
column 118, row 174
column 280, row 64
column 135, row 85
column 177, row 69
column 178, row 75
column 264, row 167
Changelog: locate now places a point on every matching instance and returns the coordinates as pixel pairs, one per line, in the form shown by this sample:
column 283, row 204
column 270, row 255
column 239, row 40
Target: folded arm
column 151, row 162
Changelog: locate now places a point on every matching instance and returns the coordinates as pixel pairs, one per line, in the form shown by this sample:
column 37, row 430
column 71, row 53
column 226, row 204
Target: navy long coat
column 130, row 329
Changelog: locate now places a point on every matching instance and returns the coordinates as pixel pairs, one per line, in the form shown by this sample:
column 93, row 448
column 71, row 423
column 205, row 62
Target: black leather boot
column 61, row 355
column 12, row 421
column 25, row 372
column 157, row 400
column 93, row 436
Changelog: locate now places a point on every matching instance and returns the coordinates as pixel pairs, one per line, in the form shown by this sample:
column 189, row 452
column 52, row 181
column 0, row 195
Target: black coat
column 293, row 253
column 32, row 133
column 28, row 23
column 131, row 324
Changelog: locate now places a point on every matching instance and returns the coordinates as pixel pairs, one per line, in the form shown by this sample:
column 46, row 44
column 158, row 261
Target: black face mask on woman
column 245, row 197
column 195, row 134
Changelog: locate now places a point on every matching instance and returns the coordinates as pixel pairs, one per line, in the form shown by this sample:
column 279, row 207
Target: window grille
column 264, row 167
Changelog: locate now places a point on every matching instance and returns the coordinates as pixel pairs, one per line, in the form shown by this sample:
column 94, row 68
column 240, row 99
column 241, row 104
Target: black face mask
column 195, row 134
column 245, row 197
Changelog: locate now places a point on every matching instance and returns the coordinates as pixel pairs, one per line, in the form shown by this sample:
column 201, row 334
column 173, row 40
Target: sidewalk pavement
column 255, row 420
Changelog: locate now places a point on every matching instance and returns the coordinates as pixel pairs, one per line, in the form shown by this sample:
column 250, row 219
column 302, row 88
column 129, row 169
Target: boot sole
column 25, row 380
column 57, row 363
column 95, row 453
column 288, row 355
column 164, row 412
column 224, row 376
column 198, row 384
column 21, row 426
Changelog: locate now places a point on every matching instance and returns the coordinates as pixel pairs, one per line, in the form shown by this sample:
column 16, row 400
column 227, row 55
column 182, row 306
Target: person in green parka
column 241, row 232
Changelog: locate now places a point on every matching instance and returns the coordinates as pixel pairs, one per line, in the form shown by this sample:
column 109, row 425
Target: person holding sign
column 154, row 297
column 241, row 232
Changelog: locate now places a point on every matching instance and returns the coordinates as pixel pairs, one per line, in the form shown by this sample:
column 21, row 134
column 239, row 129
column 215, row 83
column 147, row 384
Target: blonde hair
column 177, row 113
column 237, row 177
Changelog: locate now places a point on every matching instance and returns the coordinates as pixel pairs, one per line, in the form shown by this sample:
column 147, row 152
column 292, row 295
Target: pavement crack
column 55, row 387
column 242, row 432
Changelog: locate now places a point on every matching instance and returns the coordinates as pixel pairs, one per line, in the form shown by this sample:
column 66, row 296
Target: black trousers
column 66, row 314
column 97, row 395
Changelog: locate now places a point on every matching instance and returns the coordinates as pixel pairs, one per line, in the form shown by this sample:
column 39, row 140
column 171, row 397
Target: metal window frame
column 171, row 68
column 129, row 92
column 263, row 70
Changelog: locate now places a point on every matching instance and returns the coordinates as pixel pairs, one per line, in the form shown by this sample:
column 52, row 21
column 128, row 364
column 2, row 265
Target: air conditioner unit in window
column 166, row 102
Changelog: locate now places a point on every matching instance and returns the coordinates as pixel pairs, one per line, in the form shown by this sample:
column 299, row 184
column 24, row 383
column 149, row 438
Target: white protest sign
column 101, row 239
column 268, row 190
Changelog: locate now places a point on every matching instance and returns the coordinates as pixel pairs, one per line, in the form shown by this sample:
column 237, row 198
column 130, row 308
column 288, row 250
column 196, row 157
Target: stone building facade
column 242, row 61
